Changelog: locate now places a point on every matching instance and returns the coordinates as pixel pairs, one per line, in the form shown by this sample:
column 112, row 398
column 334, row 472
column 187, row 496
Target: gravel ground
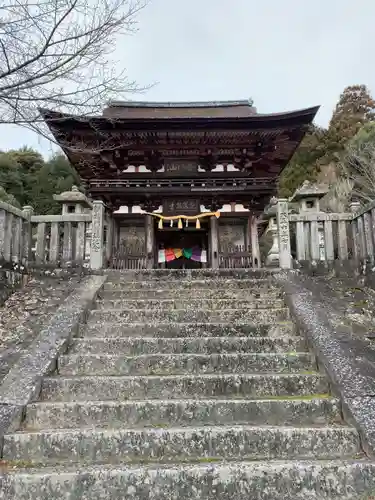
column 353, row 302
column 25, row 313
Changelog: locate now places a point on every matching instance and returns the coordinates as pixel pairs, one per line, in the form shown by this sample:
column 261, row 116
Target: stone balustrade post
column 27, row 235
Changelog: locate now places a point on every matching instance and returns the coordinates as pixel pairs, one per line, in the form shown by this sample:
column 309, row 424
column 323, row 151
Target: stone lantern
column 308, row 196
column 306, row 200
column 76, row 202
column 73, row 202
column 270, row 215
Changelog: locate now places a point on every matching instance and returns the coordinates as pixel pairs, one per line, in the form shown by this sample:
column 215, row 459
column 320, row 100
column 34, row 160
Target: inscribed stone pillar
column 284, row 235
column 97, row 236
column 150, row 241
column 214, row 243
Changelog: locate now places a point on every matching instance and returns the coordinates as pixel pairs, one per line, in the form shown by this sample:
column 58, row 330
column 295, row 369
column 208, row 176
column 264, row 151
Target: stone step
column 238, row 386
column 210, row 480
column 169, row 364
column 191, row 274
column 251, row 285
column 133, row 414
column 190, row 345
column 180, row 444
column 189, row 303
column 182, row 292
column 114, row 329
column 192, row 315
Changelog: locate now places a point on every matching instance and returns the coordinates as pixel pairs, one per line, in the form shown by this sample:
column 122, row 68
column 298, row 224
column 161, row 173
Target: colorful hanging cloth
column 170, row 254
column 199, row 255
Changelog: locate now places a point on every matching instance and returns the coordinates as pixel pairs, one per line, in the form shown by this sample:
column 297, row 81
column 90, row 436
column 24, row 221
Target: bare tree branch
column 358, row 168
column 56, row 54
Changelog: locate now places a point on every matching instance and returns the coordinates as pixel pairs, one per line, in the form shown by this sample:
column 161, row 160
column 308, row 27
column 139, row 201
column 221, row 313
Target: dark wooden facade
column 181, row 156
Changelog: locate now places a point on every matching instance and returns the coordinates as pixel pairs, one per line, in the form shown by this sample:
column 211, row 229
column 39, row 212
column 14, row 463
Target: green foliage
column 27, row 179
column 304, row 164
column 8, row 198
column 354, row 108
column 365, row 135
column 351, row 123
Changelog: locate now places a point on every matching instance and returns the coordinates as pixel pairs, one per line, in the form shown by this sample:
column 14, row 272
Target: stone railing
column 315, row 237
column 321, row 236
column 60, row 240
column 15, row 245
column 68, row 240
column 363, row 231
column 15, row 235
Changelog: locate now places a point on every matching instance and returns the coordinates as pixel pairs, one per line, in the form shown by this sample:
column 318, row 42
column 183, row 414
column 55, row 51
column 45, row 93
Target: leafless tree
column 338, row 197
column 358, row 168
column 57, row 54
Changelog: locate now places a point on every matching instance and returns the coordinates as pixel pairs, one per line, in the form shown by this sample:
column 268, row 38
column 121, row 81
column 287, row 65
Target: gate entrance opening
column 189, row 240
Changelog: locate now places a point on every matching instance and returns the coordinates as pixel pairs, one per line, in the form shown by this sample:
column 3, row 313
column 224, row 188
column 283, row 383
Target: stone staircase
column 186, row 385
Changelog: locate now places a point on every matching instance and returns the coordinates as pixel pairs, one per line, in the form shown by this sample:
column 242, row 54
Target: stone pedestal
column 273, row 256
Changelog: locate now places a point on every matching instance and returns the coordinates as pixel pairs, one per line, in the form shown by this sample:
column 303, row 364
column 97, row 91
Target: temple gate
column 181, row 184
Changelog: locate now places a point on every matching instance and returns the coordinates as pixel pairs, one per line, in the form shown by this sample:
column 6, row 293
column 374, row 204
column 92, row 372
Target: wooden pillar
column 116, row 234
column 284, row 234
column 97, row 236
column 150, row 241
column 255, row 251
column 214, row 243
column 109, row 242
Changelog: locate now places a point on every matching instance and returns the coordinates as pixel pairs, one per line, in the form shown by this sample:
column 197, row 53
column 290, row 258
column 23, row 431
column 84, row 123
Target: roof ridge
column 180, row 104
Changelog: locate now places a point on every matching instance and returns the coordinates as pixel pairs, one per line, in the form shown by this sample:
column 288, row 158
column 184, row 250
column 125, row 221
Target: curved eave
column 265, row 121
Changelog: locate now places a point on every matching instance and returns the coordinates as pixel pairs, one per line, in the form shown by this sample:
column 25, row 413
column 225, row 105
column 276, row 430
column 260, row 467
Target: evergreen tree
column 11, row 179
column 27, row 179
column 354, row 108
column 303, row 166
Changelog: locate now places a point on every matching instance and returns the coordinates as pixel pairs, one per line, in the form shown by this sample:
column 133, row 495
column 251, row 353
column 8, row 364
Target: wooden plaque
column 180, row 167
column 181, row 206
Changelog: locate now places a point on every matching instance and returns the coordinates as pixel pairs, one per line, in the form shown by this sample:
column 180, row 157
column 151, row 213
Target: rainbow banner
column 169, row 254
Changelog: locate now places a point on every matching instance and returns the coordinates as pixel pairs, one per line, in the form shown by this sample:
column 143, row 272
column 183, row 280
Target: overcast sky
column 284, row 54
